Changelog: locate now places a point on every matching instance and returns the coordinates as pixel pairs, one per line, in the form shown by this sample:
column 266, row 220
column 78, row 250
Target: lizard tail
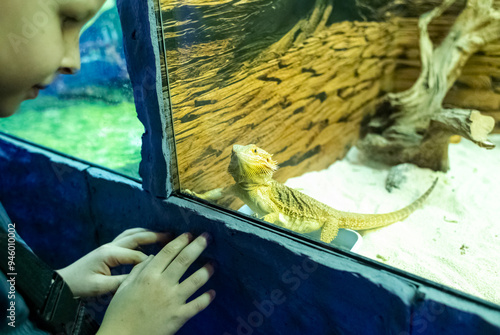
column 370, row 221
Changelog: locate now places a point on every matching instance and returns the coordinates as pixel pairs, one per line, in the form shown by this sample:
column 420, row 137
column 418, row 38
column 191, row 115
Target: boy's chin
column 7, row 109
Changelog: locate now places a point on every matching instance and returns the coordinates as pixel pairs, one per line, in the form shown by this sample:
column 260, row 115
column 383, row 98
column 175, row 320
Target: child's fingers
column 197, row 305
column 138, row 269
column 114, row 256
column 109, row 284
column 138, row 238
column 129, row 232
column 192, row 284
column 169, row 252
column 186, row 257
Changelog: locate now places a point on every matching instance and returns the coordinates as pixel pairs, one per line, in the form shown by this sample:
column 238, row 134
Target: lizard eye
column 255, row 150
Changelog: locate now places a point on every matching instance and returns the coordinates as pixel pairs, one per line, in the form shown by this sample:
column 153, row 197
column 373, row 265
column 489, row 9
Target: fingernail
column 207, row 237
column 189, row 236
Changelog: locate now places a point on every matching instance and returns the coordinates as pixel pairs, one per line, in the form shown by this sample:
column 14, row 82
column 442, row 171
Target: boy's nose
column 67, row 70
column 70, row 64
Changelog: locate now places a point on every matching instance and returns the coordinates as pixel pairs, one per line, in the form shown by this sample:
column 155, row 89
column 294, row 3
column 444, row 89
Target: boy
column 39, row 39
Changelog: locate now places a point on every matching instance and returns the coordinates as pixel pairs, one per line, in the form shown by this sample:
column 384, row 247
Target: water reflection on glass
column 90, row 115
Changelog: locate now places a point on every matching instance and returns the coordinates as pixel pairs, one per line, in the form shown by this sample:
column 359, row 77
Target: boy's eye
column 68, row 19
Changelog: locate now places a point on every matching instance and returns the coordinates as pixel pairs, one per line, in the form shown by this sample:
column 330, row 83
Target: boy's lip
column 32, row 93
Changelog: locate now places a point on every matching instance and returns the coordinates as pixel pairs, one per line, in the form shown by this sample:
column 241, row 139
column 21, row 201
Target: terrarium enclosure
column 339, row 87
column 305, row 81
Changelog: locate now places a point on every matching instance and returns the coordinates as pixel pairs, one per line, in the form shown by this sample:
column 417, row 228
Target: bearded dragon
column 252, row 169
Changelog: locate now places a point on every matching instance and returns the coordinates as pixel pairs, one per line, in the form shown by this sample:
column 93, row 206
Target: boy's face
column 38, row 40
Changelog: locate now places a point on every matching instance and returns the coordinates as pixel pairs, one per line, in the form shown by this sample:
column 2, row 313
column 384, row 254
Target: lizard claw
column 212, row 195
column 187, row 191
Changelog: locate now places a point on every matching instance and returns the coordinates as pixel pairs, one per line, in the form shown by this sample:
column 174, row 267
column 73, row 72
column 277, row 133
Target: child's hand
column 91, row 275
column 151, row 300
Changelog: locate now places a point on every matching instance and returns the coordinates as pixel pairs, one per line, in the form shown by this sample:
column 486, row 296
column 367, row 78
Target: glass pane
column 304, row 85
column 90, row 115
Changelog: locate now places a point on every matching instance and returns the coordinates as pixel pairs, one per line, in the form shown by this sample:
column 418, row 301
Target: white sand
column 454, row 239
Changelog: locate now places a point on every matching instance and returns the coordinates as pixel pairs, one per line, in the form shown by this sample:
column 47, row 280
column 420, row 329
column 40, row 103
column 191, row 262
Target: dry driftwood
column 412, row 126
column 478, row 87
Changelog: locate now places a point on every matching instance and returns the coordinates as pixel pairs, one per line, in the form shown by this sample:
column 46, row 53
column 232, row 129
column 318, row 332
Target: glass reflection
column 90, row 115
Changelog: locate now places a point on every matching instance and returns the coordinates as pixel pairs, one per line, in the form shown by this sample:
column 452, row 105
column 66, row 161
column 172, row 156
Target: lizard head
column 251, row 164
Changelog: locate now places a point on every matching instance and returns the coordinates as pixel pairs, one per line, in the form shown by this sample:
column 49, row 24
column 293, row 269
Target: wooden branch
column 476, row 26
column 478, row 87
column 417, row 128
column 467, row 123
column 442, row 66
column 423, row 99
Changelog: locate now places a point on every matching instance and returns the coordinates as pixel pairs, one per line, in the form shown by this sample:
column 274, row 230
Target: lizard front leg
column 211, row 195
column 271, row 217
column 329, row 231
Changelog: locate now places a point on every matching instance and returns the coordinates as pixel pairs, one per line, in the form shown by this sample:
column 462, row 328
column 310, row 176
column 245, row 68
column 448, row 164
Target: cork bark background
column 296, row 77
